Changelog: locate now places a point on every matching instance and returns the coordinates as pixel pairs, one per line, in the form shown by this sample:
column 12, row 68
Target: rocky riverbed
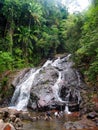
column 19, row 120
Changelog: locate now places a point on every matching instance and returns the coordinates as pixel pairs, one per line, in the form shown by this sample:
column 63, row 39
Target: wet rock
column 12, row 118
column 44, row 82
column 1, row 124
column 5, row 116
column 9, row 126
column 18, row 124
column 74, row 126
column 55, row 84
column 33, row 118
column 96, row 107
column 96, row 121
column 92, row 115
column 73, row 107
column 78, row 125
column 18, row 77
column 6, row 126
column 25, row 116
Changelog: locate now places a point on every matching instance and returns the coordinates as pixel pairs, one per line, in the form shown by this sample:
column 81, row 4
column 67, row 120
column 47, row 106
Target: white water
column 67, row 101
column 67, row 110
column 22, row 93
column 78, row 76
column 47, row 63
column 56, row 62
column 56, row 88
column 57, row 85
column 24, row 89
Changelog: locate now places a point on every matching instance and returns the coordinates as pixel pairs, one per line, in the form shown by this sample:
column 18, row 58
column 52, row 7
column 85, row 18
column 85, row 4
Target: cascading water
column 56, row 82
column 67, row 109
column 22, row 93
column 56, row 88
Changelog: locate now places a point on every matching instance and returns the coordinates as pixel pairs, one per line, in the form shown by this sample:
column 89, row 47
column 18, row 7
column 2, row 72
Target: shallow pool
column 54, row 124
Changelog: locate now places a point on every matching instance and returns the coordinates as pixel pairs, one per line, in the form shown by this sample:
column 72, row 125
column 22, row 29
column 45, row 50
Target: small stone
column 12, row 118
column 92, row 115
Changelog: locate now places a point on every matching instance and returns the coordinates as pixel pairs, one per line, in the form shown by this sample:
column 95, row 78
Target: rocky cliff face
column 56, row 84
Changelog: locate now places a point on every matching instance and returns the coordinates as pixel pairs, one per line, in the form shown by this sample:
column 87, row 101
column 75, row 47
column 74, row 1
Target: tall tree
column 89, row 43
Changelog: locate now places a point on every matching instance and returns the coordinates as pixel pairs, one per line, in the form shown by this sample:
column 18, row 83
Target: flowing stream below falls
column 54, row 124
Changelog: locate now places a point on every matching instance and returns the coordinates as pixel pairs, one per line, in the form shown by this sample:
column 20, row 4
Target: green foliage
column 18, row 61
column 48, row 41
column 32, row 30
column 2, row 85
column 70, row 32
column 93, row 71
column 88, row 52
column 6, row 61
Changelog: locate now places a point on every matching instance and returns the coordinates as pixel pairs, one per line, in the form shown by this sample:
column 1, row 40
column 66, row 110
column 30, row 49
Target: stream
column 54, row 124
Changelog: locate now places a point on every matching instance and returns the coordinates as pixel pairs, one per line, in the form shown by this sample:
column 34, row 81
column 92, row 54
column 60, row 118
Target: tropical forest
column 48, row 65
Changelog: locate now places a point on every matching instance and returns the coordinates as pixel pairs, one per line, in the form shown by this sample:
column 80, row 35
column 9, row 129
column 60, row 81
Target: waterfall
column 67, row 101
column 79, row 80
column 22, row 93
column 56, row 88
column 55, row 83
column 67, row 109
column 47, row 63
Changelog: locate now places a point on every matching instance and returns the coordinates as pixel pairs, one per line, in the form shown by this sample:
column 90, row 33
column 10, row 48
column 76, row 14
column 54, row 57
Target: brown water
column 44, row 125
column 54, row 124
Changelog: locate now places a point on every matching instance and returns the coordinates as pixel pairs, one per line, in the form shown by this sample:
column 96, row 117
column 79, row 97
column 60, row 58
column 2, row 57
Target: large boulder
column 54, row 85
column 11, row 119
column 6, row 126
column 42, row 87
column 79, row 125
